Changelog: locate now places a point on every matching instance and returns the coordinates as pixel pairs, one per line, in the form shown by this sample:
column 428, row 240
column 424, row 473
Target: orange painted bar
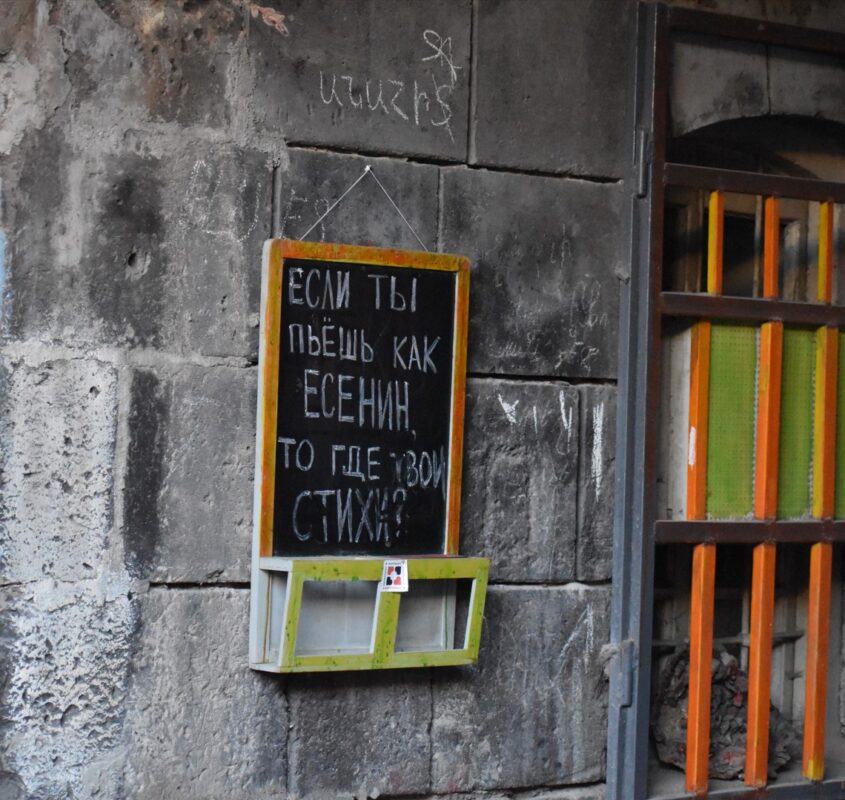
column 818, row 619
column 700, row 667
column 270, row 334
column 715, row 242
column 825, row 280
column 765, row 507
column 456, row 456
column 704, row 555
column 699, row 410
column 361, row 254
column 771, row 247
column 821, row 553
column 760, row 663
column 824, row 422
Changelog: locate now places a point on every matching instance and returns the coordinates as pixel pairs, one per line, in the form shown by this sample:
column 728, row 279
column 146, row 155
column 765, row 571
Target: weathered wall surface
column 139, row 145
column 146, row 150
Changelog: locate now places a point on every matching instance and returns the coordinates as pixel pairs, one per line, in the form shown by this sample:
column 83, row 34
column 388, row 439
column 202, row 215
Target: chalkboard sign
column 361, row 400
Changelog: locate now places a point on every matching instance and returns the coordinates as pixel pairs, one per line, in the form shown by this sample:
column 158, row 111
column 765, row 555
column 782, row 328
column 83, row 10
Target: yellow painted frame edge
column 293, row 606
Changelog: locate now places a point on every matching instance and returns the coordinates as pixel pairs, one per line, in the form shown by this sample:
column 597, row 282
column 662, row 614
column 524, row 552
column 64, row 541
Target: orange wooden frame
column 815, row 676
column 699, row 420
column 768, row 420
column 824, row 472
column 760, row 663
column 825, row 277
column 765, row 507
column 276, row 251
column 771, row 246
column 700, row 667
column 704, row 555
column 715, row 242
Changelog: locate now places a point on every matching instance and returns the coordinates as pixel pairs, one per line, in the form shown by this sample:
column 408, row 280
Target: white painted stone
column 57, row 432
column 65, row 654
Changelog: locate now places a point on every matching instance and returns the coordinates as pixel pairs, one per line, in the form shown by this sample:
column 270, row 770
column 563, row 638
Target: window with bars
column 748, row 432
column 731, row 493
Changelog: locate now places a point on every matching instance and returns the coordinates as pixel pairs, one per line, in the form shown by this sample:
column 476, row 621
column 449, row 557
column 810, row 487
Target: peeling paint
column 269, row 17
column 691, row 448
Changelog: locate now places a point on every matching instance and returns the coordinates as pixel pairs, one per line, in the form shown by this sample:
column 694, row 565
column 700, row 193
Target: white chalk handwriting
column 424, row 99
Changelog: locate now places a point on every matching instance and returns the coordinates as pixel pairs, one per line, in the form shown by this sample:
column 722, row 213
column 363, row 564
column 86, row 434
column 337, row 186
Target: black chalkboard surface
column 365, row 404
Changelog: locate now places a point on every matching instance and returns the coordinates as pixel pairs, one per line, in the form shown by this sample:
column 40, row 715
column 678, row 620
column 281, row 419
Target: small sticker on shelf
column 395, row 576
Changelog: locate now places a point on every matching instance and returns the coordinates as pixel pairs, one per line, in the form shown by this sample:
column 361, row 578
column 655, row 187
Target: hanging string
column 368, row 170
column 397, row 208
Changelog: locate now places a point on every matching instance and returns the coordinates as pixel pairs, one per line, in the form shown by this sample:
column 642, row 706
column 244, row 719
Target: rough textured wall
column 140, row 143
column 146, row 148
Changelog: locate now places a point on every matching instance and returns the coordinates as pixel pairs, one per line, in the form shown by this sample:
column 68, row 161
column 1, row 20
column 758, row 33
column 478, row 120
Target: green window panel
column 796, row 423
column 730, row 441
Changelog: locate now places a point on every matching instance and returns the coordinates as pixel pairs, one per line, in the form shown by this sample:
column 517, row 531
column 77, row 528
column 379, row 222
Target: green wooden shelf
column 373, row 616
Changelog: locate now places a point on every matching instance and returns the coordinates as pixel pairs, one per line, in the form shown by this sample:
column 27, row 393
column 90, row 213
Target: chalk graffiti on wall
column 425, row 99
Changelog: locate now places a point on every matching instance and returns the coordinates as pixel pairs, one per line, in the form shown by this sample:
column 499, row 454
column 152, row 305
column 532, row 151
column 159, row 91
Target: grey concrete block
column 596, row 479
column 32, row 75
column 183, row 55
column 137, row 249
column 217, row 205
column 41, row 265
column 123, row 263
column 190, row 470
column 714, row 80
column 64, row 656
column 552, row 82
column 315, row 179
column 370, row 76
column 532, row 712
column 594, row 792
column 359, row 735
column 825, row 15
column 57, row 438
column 18, row 19
column 807, row 84
column 202, row 726
column 544, row 253
column 520, row 479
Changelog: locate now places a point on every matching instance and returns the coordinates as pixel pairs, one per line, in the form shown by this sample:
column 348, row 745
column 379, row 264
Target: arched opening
column 798, row 147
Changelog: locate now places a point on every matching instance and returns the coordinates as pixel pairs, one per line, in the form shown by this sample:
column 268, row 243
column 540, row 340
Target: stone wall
column 146, row 150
